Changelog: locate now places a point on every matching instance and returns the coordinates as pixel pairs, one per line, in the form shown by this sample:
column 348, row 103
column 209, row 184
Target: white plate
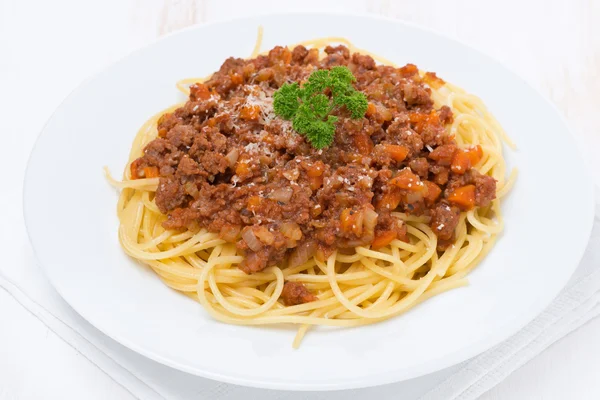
column 70, row 216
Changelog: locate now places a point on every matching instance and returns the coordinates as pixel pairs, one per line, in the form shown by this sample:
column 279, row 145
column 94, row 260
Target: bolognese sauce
column 228, row 163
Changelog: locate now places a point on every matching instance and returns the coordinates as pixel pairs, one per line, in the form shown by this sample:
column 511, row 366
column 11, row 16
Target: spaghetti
column 350, row 288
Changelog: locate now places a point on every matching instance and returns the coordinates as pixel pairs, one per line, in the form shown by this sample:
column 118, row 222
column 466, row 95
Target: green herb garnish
column 310, row 108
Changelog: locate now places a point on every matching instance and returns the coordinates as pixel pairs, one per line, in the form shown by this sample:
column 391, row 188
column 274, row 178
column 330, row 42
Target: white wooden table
column 48, row 46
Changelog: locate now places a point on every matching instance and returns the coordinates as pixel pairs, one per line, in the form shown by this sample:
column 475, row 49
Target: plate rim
column 431, row 366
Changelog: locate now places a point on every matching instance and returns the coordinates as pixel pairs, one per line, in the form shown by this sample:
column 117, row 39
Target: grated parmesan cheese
column 252, row 148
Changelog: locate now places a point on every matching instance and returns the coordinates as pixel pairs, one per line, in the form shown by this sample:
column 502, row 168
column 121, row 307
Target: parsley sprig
column 310, row 106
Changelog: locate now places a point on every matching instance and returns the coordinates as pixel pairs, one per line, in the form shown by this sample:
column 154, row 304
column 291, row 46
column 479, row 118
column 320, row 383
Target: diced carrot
column 396, row 152
column 416, row 117
column 407, row 180
column 267, row 138
column 408, row 70
column 383, row 239
column 199, row 91
column 363, row 143
column 389, row 200
column 433, row 191
column 236, row 79
column 315, row 169
column 351, row 221
column 134, row 168
column 243, row 169
column 346, row 220
column 280, row 55
column 463, row 197
column 286, row 56
column 354, row 157
column 254, row 202
column 433, row 80
column 475, row 154
column 162, row 132
column 371, row 110
column 250, row 112
column 460, row 163
column 151, row 172
column 420, row 121
column 316, row 210
column 315, row 182
column 378, row 111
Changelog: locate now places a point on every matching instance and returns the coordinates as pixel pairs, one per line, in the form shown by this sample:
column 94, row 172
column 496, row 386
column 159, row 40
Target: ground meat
column 299, row 53
column 338, row 55
column 446, row 115
column 166, row 122
column 416, row 95
column 266, row 255
column 387, row 222
column 295, row 293
column 485, row 188
column 228, row 164
column 312, row 58
column 187, row 167
column 420, row 166
column 444, row 219
column 433, row 135
column 181, row 136
column 170, row 195
column 401, row 133
column 364, row 61
column 342, row 50
column 213, row 162
column 443, row 154
column 440, row 174
column 182, row 218
column 161, row 152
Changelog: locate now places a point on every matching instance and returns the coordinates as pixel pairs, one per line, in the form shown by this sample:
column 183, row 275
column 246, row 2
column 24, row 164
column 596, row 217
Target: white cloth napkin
column 145, row 379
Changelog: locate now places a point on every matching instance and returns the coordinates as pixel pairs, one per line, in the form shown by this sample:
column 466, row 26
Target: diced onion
column 357, row 227
column 264, row 74
column 384, row 113
column 413, row 197
column 291, row 175
column 370, row 220
column 229, row 232
column 302, row 253
column 282, row 194
column 251, row 240
column 191, row 189
column 291, row 230
column 232, row 157
column 362, row 241
column 342, row 198
column 263, row 234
